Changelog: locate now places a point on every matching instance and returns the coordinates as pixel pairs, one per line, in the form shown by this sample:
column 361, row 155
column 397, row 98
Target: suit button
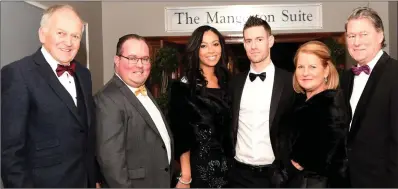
column 81, row 130
column 166, row 169
column 349, row 149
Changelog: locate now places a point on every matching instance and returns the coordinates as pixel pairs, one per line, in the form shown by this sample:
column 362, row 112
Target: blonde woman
column 319, row 125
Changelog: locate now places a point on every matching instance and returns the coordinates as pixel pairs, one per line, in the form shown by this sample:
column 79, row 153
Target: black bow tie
column 252, row 76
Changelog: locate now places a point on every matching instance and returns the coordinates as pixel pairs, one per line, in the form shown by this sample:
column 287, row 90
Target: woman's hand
column 182, row 180
column 181, row 185
column 296, row 165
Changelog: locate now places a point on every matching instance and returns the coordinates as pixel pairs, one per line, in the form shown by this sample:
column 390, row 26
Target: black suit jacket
column 45, row 140
column 373, row 137
column 281, row 103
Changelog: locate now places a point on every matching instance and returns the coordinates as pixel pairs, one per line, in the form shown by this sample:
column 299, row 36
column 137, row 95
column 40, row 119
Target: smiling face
column 61, row 35
column 136, row 74
column 310, row 73
column 363, row 40
column 210, row 49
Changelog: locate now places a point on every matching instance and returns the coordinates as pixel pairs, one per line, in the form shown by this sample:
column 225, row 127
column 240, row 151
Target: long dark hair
column 193, row 71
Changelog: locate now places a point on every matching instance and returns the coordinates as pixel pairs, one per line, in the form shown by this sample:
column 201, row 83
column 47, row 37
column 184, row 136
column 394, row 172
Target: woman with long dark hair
column 199, row 112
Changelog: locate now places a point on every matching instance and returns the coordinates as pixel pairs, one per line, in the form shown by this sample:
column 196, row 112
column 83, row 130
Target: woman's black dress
column 199, row 123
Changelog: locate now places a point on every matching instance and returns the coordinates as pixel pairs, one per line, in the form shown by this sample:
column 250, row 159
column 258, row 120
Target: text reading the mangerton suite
column 215, row 17
column 232, row 18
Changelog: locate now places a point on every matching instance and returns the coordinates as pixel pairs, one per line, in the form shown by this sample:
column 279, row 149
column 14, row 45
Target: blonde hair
column 51, row 10
column 321, row 51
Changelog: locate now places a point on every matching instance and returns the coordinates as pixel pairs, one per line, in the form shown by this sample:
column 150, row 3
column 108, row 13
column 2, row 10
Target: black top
column 318, row 132
column 198, row 122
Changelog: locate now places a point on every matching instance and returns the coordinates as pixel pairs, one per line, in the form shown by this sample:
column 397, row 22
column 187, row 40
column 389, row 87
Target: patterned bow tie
column 253, row 76
column 358, row 70
column 70, row 69
column 141, row 90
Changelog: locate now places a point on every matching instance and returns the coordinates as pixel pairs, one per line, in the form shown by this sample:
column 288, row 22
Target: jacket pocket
column 47, row 144
column 46, row 161
column 137, row 173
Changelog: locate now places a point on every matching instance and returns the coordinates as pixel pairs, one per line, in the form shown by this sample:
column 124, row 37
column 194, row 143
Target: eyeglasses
column 134, row 60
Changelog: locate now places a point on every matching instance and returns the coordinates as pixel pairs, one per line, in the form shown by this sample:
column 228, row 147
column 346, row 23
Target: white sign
column 233, row 17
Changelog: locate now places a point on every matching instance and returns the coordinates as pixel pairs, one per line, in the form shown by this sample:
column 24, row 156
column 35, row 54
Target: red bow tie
column 358, row 70
column 61, row 69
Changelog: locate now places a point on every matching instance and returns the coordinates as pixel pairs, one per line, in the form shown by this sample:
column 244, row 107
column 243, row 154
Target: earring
column 326, row 79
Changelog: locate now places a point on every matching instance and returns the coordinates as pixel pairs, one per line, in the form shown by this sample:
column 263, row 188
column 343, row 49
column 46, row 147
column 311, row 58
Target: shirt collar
column 133, row 89
column 270, row 68
column 50, row 59
column 373, row 62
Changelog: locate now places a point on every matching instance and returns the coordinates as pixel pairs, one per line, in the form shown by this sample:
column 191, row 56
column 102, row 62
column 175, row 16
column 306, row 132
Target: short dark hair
column 256, row 21
column 124, row 39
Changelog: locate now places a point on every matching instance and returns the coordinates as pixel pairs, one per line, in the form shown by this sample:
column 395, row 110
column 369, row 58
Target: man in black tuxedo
column 46, row 104
column 260, row 97
column 371, row 89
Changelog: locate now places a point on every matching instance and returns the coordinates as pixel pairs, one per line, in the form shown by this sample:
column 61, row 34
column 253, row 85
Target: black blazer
column 46, row 141
column 281, row 103
column 373, row 137
column 316, row 136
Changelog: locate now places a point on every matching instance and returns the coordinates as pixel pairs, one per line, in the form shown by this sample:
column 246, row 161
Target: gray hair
column 51, row 10
column 372, row 16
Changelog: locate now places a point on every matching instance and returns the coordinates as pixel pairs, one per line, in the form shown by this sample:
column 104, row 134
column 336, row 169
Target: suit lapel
column 49, row 76
column 237, row 92
column 367, row 93
column 78, row 73
column 276, row 95
column 136, row 103
column 347, row 86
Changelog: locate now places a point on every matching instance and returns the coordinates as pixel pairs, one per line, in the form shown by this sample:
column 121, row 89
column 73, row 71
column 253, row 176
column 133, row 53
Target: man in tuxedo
column 135, row 145
column 260, row 97
column 46, row 105
column 371, row 89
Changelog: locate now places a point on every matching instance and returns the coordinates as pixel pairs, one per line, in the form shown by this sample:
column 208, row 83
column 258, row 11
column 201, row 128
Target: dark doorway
column 282, row 55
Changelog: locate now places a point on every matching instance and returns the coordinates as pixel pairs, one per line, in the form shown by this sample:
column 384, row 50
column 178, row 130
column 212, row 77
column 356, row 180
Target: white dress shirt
column 253, row 140
column 65, row 79
column 360, row 83
column 156, row 116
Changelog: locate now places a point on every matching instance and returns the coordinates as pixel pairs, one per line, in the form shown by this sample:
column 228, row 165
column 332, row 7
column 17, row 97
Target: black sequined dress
column 199, row 124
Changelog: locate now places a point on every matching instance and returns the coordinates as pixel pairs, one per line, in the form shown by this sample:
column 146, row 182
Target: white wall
column 19, row 25
column 147, row 19
column 393, row 25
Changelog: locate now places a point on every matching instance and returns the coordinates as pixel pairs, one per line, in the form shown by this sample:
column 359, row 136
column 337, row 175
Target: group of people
column 262, row 128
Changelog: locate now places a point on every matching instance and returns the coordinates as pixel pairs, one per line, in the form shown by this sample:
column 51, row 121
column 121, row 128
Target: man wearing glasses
column 134, row 143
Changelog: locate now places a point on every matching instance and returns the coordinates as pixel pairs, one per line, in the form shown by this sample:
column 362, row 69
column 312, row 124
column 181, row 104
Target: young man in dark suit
column 260, row 97
column 46, row 105
column 371, row 90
